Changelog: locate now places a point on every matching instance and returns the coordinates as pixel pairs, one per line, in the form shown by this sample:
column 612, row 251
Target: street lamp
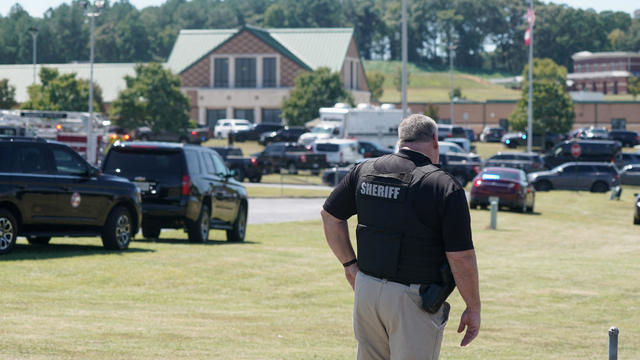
column 92, row 12
column 452, row 46
column 34, row 34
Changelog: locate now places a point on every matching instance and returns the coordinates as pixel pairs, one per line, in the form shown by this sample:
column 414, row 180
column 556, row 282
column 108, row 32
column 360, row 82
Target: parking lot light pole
column 91, row 141
column 34, row 34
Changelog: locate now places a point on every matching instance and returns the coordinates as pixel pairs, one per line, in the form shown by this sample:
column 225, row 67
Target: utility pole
column 452, row 47
column 34, row 34
column 530, row 19
column 404, row 58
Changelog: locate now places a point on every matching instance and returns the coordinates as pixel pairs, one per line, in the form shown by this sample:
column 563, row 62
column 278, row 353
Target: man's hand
column 350, row 273
column 470, row 320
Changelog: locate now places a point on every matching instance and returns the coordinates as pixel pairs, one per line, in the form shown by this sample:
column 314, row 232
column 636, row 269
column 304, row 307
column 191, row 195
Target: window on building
column 615, row 87
column 269, row 73
column 245, row 72
column 604, row 87
column 504, row 123
column 213, row 115
column 271, row 116
column 246, row 114
column 221, row 72
column 618, row 124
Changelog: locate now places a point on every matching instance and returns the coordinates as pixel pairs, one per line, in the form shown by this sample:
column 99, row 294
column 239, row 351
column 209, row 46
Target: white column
column 202, row 115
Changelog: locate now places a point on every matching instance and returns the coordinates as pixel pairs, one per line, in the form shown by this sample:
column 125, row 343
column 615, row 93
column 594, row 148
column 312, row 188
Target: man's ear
column 435, row 142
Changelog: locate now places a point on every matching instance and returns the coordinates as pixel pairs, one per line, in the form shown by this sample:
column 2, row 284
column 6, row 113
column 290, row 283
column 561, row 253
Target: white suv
column 224, row 126
column 339, row 151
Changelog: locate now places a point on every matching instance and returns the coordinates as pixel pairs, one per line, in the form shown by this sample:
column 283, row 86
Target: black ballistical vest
column 392, row 242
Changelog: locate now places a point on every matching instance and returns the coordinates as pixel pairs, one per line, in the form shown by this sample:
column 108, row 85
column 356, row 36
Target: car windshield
column 500, row 175
column 327, row 147
column 321, row 130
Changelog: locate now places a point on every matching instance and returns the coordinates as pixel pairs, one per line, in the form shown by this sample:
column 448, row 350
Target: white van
column 224, row 126
column 338, row 151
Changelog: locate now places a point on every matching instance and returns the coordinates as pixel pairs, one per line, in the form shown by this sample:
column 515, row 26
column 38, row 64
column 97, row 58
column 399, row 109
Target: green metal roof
column 110, row 76
column 310, row 48
column 192, row 45
column 316, row 47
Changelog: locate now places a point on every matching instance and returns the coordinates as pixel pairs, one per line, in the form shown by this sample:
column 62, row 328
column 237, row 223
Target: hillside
column 426, row 85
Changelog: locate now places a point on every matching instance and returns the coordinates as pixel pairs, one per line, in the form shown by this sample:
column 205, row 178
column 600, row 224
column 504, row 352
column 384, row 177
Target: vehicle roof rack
column 21, row 138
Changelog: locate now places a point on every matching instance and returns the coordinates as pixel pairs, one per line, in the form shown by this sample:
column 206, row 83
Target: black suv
column 627, row 138
column 287, row 134
column 48, row 190
column 183, row 186
column 529, row 162
column 589, row 150
column 256, row 130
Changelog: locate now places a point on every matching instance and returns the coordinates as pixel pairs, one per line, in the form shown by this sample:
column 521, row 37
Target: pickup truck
column 292, row 157
column 248, row 167
column 463, row 167
column 191, row 136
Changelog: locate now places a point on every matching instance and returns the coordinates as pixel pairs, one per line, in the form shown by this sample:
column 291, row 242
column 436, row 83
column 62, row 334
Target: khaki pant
column 389, row 322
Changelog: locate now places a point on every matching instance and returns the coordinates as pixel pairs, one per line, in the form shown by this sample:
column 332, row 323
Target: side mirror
column 92, row 172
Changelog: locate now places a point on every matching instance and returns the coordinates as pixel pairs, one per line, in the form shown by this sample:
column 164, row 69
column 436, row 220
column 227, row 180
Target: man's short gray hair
column 417, row 128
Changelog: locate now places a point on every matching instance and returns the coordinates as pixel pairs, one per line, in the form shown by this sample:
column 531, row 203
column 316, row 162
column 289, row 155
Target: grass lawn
column 432, row 85
column 552, row 283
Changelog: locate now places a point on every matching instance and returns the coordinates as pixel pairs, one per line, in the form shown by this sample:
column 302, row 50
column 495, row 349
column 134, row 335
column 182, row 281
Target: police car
column 47, row 190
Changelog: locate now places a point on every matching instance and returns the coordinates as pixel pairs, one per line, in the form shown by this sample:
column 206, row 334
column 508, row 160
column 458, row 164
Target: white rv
column 377, row 124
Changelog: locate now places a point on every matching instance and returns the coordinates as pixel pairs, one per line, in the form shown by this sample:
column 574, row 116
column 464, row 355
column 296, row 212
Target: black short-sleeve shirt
column 441, row 203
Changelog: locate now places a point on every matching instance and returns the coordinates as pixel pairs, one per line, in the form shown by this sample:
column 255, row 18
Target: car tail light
column 186, row 184
column 477, row 183
column 59, row 127
column 254, row 161
column 516, row 187
column 303, row 158
column 126, row 137
column 194, row 132
column 113, row 136
column 476, row 169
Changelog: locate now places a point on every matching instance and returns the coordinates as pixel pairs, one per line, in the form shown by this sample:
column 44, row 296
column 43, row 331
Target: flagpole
column 530, row 110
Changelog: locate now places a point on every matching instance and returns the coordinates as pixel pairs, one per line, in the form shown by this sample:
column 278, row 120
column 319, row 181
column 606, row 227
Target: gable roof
column 309, row 47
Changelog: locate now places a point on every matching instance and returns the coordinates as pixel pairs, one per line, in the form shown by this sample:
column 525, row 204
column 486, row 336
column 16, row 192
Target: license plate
column 315, row 165
column 143, row 185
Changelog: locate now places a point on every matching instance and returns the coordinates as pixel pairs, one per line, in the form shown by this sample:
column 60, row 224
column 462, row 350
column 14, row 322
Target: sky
column 37, row 7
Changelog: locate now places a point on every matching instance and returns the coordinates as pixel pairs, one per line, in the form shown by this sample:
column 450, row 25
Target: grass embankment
column 552, row 283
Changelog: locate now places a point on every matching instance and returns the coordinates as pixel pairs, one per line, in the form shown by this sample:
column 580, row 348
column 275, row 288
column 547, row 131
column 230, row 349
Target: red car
column 508, row 184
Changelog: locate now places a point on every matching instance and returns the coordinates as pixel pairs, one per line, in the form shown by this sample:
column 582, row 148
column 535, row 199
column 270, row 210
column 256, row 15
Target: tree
column 375, row 80
column 433, row 112
column 553, row 109
column 7, row 95
column 275, row 16
column 397, row 78
column 633, row 86
column 152, row 98
column 61, row 93
column 313, row 90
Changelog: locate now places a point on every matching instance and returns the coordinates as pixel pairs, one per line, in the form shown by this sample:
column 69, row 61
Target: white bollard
column 493, row 201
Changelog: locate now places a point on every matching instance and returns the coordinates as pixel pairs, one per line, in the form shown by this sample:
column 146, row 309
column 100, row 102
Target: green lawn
column 552, row 283
column 432, row 85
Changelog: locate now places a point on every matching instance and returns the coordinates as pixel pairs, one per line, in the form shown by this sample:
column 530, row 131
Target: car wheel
column 636, row 220
column 484, row 206
column 8, row 231
column 256, row 179
column 291, row 169
column 599, row 187
column 117, row 231
column 237, row 233
column 39, row 240
column 315, row 172
column 199, row 230
column 151, row 231
column 473, row 205
column 239, row 174
column 542, row 185
column 460, row 179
